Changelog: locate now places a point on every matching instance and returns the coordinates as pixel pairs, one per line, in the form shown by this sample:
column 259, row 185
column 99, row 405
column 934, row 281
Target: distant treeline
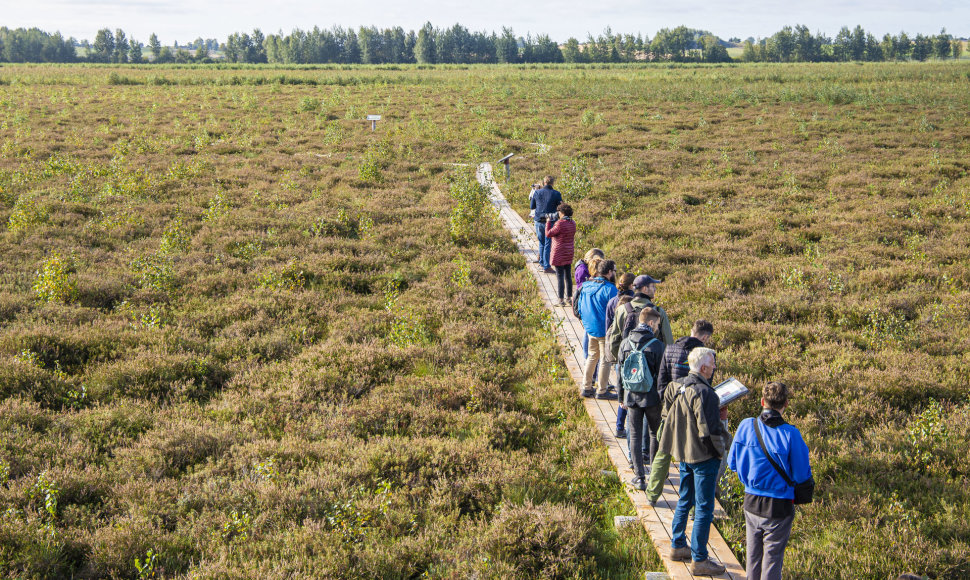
column 800, row 45
column 430, row 45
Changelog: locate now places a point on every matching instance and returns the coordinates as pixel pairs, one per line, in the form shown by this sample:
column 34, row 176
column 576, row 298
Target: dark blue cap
column 644, row 280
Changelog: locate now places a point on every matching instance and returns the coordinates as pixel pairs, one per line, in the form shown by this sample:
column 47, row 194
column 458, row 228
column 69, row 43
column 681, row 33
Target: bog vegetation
column 242, row 334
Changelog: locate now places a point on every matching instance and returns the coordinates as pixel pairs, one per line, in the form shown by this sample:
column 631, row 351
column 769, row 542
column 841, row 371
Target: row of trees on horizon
column 458, row 45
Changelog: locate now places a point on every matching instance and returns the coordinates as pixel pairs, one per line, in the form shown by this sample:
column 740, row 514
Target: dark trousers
column 766, row 540
column 642, row 435
column 564, row 280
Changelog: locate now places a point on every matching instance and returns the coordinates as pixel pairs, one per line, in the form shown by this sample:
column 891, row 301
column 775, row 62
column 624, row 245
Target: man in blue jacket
column 544, row 203
column 769, row 508
column 593, row 298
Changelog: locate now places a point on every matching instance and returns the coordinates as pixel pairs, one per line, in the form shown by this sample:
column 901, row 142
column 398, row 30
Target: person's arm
column 532, row 200
column 708, row 424
column 801, row 469
column 735, row 448
column 663, row 376
column 666, row 334
column 552, row 229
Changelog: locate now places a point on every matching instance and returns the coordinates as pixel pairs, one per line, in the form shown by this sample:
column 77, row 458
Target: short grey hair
column 699, row 357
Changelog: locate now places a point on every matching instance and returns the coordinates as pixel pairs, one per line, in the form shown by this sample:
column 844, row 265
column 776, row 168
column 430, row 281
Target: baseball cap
column 643, row 280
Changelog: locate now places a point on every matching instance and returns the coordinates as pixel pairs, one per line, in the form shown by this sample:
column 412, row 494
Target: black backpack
column 632, row 318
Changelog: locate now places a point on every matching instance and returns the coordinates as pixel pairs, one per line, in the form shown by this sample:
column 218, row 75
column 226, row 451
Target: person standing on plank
column 592, row 300
column 769, row 509
column 562, row 232
column 692, row 435
column 544, row 202
column 584, row 267
column 648, row 287
column 624, row 287
column 674, row 368
column 623, row 318
column 641, row 397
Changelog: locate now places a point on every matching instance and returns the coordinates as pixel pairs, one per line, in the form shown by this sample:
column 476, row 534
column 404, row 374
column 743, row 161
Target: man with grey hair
column 692, row 433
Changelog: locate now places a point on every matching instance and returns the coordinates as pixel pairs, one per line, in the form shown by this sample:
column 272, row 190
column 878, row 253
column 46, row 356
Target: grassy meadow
column 241, row 335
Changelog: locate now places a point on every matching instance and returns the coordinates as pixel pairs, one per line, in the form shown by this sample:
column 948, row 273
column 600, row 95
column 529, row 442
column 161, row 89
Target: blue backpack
column 636, row 374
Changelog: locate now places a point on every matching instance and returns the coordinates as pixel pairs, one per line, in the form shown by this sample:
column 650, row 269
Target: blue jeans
column 697, row 481
column 545, row 244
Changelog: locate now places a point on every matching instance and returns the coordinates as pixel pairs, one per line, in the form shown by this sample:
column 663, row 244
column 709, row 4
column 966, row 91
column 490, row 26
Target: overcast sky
column 186, row 20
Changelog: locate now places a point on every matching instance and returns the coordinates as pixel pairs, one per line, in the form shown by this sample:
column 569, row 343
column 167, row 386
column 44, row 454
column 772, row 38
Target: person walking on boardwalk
column 692, row 434
column 647, row 285
column 674, row 367
column 582, row 268
column 544, row 202
column 624, row 287
column 640, row 396
column 593, row 298
column 769, row 508
column 562, row 232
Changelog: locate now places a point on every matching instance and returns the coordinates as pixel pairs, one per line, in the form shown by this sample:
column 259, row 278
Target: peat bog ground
column 243, row 335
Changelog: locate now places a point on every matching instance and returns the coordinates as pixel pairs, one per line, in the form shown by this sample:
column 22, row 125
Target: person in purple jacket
column 769, row 508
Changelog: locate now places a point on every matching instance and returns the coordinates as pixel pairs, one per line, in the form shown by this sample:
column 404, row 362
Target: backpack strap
column 761, row 441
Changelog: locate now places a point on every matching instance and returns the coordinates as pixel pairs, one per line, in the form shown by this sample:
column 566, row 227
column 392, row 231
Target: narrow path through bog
column 657, row 520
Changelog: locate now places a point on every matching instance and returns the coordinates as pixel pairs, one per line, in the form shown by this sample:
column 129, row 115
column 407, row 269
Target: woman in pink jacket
column 562, row 232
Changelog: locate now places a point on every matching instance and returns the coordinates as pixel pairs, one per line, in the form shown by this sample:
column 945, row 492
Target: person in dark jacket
column 562, row 232
column 624, row 287
column 692, row 434
column 768, row 507
column 544, row 201
column 674, row 367
column 643, row 408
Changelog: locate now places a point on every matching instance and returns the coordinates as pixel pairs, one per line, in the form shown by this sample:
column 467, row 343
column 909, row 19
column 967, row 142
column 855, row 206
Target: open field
column 240, row 330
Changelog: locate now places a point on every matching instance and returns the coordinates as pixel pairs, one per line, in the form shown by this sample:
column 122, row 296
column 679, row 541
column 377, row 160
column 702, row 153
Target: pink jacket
column 562, row 232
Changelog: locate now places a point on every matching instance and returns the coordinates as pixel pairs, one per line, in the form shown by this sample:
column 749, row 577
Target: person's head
column 593, row 253
column 702, row 331
column 625, row 281
column 646, row 285
column 548, row 180
column 594, row 264
column 702, row 361
column 606, row 269
column 565, row 210
column 775, row 396
column 651, row 318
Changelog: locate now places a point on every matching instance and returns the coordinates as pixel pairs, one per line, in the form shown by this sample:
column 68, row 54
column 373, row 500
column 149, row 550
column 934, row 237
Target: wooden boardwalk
column 657, row 520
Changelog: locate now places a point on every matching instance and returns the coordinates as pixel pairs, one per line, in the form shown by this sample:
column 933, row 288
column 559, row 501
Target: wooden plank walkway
column 657, row 520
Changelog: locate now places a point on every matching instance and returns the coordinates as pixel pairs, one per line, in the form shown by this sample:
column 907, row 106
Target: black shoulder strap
column 761, row 441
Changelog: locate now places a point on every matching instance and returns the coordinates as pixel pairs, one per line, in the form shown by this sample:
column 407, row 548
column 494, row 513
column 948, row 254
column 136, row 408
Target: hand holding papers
column 730, row 390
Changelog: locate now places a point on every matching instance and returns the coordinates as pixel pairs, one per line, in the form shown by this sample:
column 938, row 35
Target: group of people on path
column 668, row 407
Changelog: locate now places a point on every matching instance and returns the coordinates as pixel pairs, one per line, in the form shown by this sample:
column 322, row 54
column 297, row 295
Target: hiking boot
column 569, row 301
column 588, row 392
column 561, row 303
column 549, row 270
column 706, row 568
column 639, row 483
column 607, row 396
column 621, row 433
column 680, row 554
column 652, row 502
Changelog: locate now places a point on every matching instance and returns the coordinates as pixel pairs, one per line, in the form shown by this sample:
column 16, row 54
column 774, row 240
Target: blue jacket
column 787, row 448
column 593, row 298
column 544, row 201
